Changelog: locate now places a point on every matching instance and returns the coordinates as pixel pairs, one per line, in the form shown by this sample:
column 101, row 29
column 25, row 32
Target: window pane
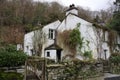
column 51, row 33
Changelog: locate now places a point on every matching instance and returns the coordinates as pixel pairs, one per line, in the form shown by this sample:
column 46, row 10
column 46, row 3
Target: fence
column 35, row 68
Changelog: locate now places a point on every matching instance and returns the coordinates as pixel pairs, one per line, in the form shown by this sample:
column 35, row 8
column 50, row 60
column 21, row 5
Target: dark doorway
column 58, row 55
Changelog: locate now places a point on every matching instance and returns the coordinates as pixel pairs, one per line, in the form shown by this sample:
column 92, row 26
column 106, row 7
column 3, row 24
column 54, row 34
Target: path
column 107, row 76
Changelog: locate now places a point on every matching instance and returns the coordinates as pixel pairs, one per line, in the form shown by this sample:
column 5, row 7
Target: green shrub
column 10, row 57
column 115, row 58
column 10, row 76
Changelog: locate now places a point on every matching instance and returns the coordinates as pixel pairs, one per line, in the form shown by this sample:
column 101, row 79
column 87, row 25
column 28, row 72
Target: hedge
column 10, row 57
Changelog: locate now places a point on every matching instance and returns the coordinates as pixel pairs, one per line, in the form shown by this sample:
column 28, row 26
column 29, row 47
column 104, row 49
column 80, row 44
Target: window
column 51, row 34
column 48, row 54
column 27, row 47
column 105, row 36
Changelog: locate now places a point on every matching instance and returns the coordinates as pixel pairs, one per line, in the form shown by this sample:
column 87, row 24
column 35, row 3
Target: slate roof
column 53, row 47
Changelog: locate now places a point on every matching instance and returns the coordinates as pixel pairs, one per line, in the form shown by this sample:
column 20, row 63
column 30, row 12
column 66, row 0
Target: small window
column 27, row 47
column 31, row 51
column 51, row 34
column 48, row 54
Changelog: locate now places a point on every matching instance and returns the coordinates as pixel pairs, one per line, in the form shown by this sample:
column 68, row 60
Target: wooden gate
column 35, row 68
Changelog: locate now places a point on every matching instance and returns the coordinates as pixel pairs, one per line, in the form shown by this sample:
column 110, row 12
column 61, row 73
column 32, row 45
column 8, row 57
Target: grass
column 10, row 76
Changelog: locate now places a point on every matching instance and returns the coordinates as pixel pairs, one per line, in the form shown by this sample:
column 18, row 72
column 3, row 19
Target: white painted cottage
column 54, row 49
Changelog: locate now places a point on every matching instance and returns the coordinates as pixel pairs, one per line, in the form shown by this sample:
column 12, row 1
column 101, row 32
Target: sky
column 94, row 5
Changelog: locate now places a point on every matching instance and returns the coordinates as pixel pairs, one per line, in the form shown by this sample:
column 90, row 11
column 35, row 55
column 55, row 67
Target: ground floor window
column 48, row 54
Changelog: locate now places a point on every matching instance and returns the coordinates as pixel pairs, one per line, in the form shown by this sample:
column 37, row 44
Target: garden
column 10, row 61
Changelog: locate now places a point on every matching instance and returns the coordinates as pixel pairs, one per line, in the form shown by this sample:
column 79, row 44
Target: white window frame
column 51, row 34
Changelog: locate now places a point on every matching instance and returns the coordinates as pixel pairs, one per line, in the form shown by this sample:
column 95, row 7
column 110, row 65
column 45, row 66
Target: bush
column 115, row 58
column 10, row 57
column 10, row 76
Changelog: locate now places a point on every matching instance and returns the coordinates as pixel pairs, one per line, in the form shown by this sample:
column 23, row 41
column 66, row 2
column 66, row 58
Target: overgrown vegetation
column 39, row 39
column 25, row 15
column 115, row 63
column 115, row 58
column 10, row 57
column 78, row 70
column 73, row 40
column 10, row 76
column 114, row 23
column 83, row 70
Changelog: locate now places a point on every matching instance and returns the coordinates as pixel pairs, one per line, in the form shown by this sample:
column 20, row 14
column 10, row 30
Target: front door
column 58, row 55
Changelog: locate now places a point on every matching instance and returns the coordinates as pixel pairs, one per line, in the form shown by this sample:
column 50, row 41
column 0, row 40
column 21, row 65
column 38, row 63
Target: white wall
column 69, row 23
column 28, row 45
column 87, row 31
column 105, row 47
column 73, row 11
column 52, row 54
column 46, row 28
column 19, row 47
column 28, row 38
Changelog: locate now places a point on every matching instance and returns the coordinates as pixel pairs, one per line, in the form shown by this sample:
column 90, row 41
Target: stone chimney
column 72, row 9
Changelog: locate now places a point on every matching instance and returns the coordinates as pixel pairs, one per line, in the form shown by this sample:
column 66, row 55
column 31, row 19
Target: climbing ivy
column 73, row 40
column 76, row 40
column 75, row 37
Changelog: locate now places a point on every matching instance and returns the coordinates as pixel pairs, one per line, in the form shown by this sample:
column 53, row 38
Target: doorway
column 58, row 55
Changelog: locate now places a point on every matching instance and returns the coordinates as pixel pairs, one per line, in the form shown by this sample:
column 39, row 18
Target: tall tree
column 115, row 22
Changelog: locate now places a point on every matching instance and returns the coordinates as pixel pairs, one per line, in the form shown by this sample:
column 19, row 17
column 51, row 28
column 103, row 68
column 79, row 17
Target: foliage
column 115, row 58
column 75, row 37
column 77, row 69
column 115, row 63
column 75, row 42
column 10, row 76
column 10, row 57
column 39, row 39
column 87, row 54
column 115, row 21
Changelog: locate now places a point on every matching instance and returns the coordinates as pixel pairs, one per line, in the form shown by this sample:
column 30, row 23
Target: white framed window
column 51, row 34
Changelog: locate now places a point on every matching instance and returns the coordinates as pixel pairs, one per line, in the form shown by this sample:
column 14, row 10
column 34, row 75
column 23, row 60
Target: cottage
column 95, row 38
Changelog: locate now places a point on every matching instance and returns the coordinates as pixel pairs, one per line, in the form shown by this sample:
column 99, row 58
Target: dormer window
column 51, row 34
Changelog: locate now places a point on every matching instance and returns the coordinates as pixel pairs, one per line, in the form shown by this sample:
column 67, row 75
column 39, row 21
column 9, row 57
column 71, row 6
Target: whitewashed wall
column 28, row 38
column 86, row 29
column 46, row 28
column 52, row 54
column 73, row 11
column 28, row 45
column 69, row 23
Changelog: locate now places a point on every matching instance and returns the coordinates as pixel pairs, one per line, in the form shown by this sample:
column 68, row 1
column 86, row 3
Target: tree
column 39, row 39
column 115, row 22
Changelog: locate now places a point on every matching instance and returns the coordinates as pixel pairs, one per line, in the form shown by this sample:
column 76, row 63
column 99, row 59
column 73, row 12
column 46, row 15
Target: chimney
column 72, row 10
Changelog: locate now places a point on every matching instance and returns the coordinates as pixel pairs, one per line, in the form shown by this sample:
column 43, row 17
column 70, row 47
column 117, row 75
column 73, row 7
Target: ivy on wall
column 73, row 40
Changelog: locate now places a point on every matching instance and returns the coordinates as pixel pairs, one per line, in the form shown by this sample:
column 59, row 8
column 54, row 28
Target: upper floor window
column 105, row 36
column 51, row 34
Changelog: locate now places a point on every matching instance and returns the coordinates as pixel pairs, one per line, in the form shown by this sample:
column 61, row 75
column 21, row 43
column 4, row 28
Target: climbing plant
column 75, row 37
column 73, row 40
